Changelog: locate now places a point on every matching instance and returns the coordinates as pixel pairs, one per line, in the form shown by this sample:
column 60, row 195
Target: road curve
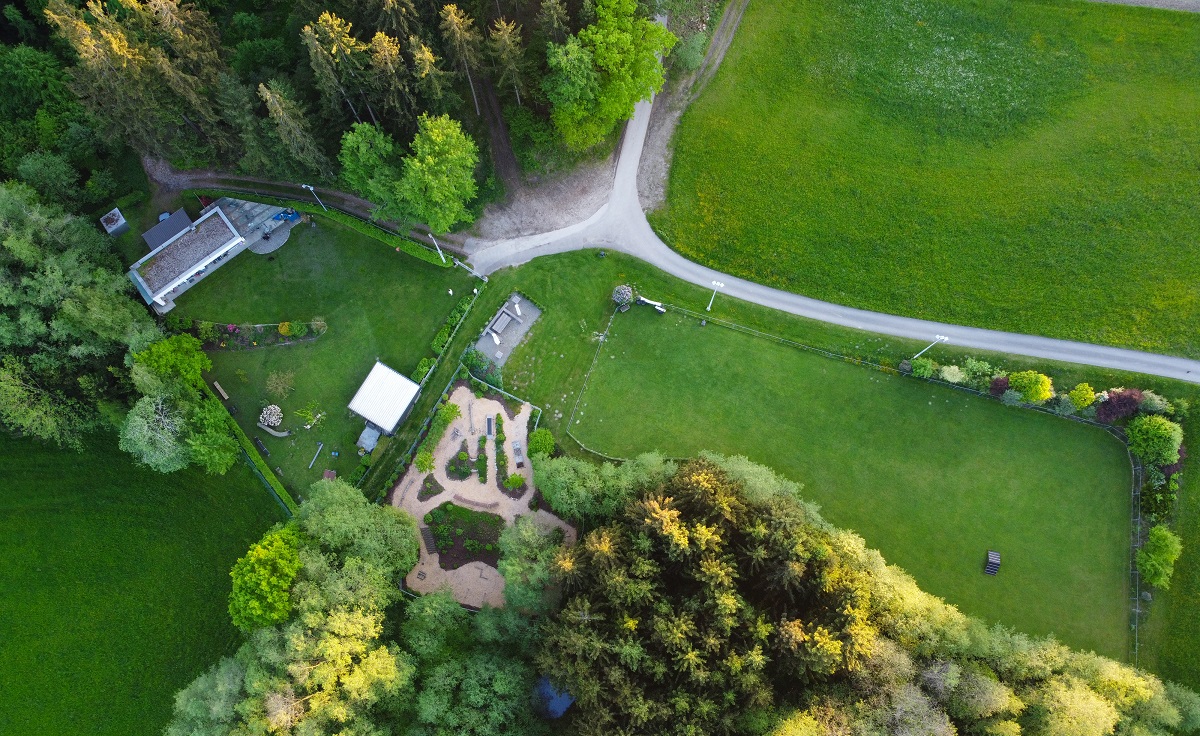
column 621, row 225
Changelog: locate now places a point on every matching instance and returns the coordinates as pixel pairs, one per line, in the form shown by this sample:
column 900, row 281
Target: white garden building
column 384, row 400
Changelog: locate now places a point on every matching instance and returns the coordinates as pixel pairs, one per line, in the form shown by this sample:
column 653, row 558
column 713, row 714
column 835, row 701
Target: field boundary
column 1136, row 609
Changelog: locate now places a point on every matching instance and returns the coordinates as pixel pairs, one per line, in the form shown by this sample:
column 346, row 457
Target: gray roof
column 167, row 229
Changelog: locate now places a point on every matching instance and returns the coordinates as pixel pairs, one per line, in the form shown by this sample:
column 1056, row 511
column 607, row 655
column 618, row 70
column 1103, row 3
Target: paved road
column 621, row 225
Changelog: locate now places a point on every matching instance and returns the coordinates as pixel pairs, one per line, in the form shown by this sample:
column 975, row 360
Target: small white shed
column 385, row 398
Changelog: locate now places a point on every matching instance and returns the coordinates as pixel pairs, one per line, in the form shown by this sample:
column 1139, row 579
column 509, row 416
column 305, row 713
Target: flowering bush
column 231, row 328
column 952, row 374
column 319, row 325
column 623, row 294
column 272, row 416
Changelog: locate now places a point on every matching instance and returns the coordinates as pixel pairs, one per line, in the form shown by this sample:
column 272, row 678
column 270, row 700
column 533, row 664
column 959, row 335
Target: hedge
column 256, row 458
column 409, row 246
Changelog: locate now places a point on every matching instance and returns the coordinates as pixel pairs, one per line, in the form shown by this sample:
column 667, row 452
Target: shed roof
column 167, row 229
column 384, row 397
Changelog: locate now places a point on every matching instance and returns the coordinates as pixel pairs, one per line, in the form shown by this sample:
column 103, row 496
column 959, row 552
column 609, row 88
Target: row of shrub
column 256, row 459
column 446, row 414
column 360, row 470
column 245, row 334
column 1153, row 435
column 481, row 460
column 442, row 340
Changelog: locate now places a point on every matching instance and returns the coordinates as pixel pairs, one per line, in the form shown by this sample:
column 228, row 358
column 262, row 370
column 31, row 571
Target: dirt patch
column 558, row 200
column 670, row 105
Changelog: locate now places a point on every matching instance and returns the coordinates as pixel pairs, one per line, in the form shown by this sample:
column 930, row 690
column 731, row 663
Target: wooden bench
column 217, row 386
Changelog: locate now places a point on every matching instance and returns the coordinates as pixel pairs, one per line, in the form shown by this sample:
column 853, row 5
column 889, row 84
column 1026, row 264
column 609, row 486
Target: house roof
column 184, row 253
column 156, row 236
column 384, row 397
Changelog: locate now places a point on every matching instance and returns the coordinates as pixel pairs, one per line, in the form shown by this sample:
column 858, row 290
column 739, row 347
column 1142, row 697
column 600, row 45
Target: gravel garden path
column 475, row 583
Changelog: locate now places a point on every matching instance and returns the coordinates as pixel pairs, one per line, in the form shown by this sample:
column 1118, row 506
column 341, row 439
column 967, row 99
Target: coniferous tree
column 292, row 127
column 397, row 18
column 338, row 60
column 463, row 40
column 431, row 78
column 389, row 75
column 552, row 20
column 504, row 43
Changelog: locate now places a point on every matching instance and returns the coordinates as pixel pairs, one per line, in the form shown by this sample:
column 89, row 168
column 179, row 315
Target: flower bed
column 229, row 336
column 460, row 466
column 429, row 488
column 463, row 535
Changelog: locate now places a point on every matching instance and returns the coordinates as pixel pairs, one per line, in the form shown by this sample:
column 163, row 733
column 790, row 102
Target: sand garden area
column 475, row 583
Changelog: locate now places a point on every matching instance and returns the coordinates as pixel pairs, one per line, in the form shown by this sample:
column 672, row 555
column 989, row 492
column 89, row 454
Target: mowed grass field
column 1027, row 166
column 114, row 586
column 931, row 477
column 378, row 304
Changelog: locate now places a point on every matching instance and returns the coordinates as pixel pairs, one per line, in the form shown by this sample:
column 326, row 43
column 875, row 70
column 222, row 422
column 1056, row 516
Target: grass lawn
column 378, row 304
column 1025, row 166
column 114, row 586
column 931, row 477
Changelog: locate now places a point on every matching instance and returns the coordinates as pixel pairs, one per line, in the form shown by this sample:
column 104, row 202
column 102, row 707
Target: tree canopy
column 437, row 179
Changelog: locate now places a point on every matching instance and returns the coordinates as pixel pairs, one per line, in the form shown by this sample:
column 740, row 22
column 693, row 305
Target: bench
column 261, row 447
column 992, row 566
column 224, row 396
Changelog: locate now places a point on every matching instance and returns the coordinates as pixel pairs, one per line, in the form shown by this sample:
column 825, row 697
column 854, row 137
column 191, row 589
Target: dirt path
column 669, row 107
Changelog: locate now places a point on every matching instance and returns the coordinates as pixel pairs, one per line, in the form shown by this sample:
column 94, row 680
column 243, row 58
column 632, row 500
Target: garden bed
column 429, row 488
column 461, row 465
column 463, row 536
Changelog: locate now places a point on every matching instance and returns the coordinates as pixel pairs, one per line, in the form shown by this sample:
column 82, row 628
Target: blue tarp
column 553, row 702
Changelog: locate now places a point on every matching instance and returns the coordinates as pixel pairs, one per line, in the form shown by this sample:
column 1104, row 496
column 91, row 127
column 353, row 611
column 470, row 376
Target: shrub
column 1062, row 405
column 1152, row 403
column 272, row 416
column 541, row 442
column 285, row 328
column 1155, row 439
column 514, row 482
column 1035, row 387
column 1181, row 407
column 978, row 372
column 422, row 370
column 998, row 386
column 299, row 329
column 1011, row 398
column 1175, row 467
column 1156, row 559
column 1082, row 396
column 1120, row 403
column 952, row 374
column 424, row 461
column 318, row 324
column 923, row 367
column 690, row 53
column 279, row 383
column 207, row 331
column 1159, row 501
column 623, row 294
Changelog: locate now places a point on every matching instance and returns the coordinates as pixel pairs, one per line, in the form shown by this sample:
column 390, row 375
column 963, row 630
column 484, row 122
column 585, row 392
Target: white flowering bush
column 272, row 416
column 952, row 374
column 623, row 294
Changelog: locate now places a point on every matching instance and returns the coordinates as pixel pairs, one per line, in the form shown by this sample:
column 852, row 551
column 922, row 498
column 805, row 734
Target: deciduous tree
column 437, row 180
column 263, row 578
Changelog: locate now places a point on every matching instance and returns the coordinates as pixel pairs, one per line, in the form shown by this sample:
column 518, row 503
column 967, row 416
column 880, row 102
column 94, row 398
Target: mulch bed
column 479, row 530
column 429, row 488
column 515, row 495
column 459, row 468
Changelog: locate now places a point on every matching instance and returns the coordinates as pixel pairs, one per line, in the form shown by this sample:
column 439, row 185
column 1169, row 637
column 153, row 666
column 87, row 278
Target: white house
column 180, row 251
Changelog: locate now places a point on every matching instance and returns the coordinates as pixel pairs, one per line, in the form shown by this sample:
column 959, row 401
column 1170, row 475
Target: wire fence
column 262, row 479
column 1137, row 523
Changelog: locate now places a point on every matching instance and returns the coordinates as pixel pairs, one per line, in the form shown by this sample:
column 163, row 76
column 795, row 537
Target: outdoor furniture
column 993, row 563
column 221, row 391
column 518, row 455
column 261, row 447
